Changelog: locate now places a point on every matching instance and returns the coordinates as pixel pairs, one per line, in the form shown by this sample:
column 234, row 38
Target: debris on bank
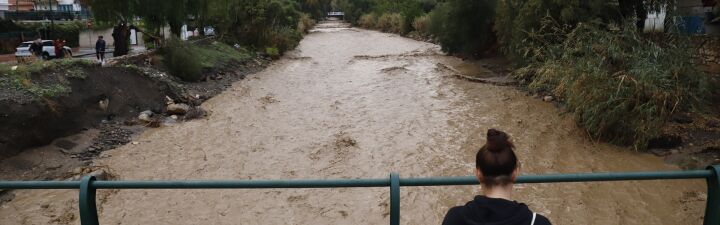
column 43, row 101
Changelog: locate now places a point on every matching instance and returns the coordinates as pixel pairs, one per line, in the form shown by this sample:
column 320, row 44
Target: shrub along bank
column 620, row 85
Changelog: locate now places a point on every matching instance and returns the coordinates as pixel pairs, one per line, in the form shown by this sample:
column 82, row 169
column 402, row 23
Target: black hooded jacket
column 492, row 211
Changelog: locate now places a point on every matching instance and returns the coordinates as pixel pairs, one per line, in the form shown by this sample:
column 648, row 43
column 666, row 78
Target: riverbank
column 689, row 139
column 337, row 107
column 61, row 114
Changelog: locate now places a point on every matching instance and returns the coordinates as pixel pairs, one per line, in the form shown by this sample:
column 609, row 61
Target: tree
column 464, row 27
column 154, row 13
column 517, row 19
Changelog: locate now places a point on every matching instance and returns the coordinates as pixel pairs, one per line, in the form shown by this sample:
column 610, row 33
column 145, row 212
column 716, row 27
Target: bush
column 274, row 53
column 519, row 19
column 181, row 60
column 70, row 31
column 421, row 24
column 282, row 38
column 464, row 26
column 218, row 54
column 368, row 21
column 391, row 22
column 619, row 86
column 305, row 24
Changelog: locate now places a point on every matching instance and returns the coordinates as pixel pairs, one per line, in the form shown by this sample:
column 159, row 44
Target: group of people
column 36, row 48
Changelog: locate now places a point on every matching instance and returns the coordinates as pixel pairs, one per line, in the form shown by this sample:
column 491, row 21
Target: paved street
column 77, row 53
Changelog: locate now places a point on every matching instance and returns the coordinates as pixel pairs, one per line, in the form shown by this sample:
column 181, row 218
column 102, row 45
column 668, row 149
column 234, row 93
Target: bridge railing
column 88, row 186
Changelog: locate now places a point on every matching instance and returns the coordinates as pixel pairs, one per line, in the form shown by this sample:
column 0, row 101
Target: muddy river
column 353, row 103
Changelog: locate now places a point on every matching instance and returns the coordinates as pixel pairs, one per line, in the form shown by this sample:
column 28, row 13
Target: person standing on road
column 100, row 49
column 59, row 47
column 496, row 168
column 36, row 48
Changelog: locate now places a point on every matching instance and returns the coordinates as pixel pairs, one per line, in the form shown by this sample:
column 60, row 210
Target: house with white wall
column 58, row 5
column 4, row 5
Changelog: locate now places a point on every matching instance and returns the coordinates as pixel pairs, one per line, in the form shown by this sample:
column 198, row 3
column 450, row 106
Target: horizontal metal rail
column 88, row 186
column 350, row 183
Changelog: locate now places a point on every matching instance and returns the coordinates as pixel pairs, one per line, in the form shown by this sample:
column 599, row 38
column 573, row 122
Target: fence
column 47, row 15
column 88, row 186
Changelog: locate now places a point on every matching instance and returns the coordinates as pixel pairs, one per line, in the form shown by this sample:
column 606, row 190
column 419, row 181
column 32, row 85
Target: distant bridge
column 340, row 15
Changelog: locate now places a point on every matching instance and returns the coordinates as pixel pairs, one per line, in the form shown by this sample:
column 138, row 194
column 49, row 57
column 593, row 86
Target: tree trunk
column 636, row 9
column 121, row 38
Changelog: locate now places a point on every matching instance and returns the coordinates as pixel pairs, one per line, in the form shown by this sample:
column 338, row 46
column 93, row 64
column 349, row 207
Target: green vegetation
column 389, row 16
column 10, row 36
column 188, row 61
column 68, row 31
column 217, row 54
column 464, row 27
column 181, row 60
column 619, row 86
column 273, row 52
column 306, row 22
column 421, row 25
column 391, row 22
column 20, row 76
column 257, row 24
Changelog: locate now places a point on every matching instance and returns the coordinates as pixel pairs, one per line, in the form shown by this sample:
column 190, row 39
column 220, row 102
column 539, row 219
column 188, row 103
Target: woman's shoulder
column 542, row 220
column 454, row 216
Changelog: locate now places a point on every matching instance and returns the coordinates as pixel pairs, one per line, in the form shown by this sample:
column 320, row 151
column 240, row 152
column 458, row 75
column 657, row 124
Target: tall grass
column 182, row 60
column 368, row 20
column 305, row 23
column 421, row 25
column 386, row 22
column 391, row 22
column 620, row 86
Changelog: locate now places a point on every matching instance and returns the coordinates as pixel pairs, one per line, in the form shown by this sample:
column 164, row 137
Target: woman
column 496, row 168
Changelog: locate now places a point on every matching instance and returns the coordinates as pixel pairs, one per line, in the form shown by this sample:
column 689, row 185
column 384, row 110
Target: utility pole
column 52, row 22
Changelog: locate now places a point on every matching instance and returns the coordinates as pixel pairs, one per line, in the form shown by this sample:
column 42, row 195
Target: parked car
column 23, row 50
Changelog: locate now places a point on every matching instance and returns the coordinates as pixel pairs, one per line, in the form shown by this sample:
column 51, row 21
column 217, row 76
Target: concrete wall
column 88, row 37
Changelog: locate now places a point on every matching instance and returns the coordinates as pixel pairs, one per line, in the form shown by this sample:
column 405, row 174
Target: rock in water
column 99, row 174
column 145, row 116
column 178, row 109
column 103, row 104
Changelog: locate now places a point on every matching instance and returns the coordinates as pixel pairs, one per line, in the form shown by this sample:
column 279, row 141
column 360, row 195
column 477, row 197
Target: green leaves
column 619, row 85
column 464, row 26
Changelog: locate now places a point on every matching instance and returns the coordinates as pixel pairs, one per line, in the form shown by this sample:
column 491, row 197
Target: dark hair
column 496, row 159
column 100, row 36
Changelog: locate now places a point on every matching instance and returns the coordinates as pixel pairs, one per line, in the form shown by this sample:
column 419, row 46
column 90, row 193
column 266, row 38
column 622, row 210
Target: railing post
column 394, row 199
column 712, row 210
column 88, row 209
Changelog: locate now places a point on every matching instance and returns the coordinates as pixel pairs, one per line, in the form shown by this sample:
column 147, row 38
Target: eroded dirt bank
column 352, row 103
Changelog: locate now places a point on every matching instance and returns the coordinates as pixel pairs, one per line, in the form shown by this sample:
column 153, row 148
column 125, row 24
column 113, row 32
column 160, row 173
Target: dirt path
column 352, row 103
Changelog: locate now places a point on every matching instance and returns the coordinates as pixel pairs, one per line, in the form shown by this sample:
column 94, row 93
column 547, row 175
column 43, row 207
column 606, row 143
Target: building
column 21, row 5
column 4, row 6
column 58, row 5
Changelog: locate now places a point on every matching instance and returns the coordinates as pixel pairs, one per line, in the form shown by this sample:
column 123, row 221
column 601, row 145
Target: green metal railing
column 88, row 186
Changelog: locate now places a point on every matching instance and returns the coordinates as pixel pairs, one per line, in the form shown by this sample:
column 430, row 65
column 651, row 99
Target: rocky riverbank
column 91, row 108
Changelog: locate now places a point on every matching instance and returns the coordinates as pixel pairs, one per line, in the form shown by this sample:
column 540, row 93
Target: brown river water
column 353, row 103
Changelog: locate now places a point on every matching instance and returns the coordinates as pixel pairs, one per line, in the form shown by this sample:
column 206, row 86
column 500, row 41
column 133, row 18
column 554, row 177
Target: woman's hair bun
column 497, row 141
